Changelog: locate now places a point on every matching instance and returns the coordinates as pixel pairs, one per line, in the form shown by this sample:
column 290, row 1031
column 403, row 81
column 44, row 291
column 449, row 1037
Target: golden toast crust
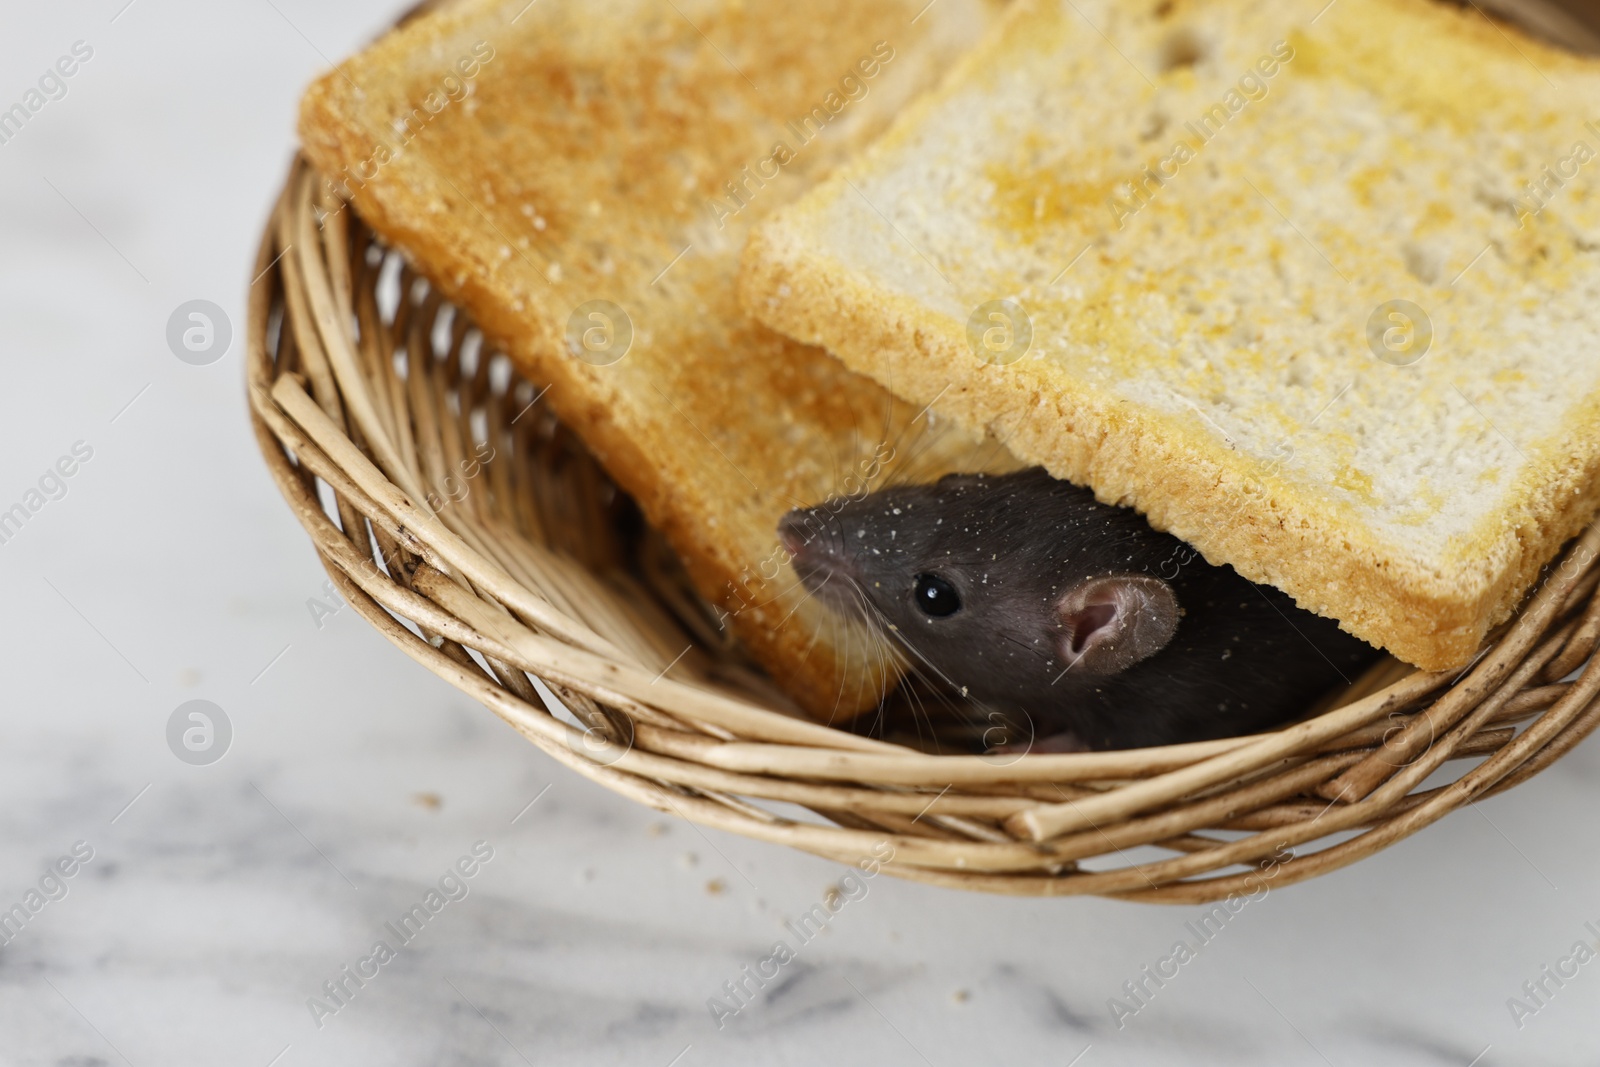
column 1270, row 433
column 531, row 160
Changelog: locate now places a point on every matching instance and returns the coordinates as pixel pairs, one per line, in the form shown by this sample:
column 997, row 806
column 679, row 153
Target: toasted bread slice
column 1206, row 211
column 533, row 159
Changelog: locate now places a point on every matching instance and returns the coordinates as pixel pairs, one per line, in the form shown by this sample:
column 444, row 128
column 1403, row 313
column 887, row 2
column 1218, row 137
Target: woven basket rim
column 490, row 605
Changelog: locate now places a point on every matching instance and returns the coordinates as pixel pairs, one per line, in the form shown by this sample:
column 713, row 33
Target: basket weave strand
column 466, row 524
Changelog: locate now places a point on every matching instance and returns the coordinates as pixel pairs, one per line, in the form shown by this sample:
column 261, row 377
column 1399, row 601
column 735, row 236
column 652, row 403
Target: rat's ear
column 1109, row 624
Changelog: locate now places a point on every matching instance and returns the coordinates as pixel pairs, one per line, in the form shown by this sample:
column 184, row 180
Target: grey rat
column 1025, row 594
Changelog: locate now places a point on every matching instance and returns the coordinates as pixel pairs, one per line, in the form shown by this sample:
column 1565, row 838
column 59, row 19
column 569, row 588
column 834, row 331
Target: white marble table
column 220, row 898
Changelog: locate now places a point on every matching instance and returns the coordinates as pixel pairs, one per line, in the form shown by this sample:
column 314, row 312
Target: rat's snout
column 810, row 533
column 794, row 532
column 811, row 537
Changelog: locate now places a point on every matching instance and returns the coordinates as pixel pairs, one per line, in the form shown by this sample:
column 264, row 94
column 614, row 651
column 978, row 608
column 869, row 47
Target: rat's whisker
column 1030, row 648
column 862, row 637
column 907, row 472
column 922, row 690
column 816, row 634
column 844, row 677
column 919, row 667
column 872, row 619
column 900, row 638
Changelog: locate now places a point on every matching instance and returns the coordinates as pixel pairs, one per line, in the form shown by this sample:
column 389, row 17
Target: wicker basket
column 475, row 533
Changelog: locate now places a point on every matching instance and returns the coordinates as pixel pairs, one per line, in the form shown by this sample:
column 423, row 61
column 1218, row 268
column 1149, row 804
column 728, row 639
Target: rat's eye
column 936, row 597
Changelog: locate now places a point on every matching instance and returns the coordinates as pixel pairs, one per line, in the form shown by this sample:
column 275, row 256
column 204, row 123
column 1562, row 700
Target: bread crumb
column 431, row 801
column 716, row 887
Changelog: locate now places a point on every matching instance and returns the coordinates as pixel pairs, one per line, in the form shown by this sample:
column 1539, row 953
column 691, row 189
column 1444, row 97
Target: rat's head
column 996, row 583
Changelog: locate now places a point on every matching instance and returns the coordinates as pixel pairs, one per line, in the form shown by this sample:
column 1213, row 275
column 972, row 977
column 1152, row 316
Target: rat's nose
column 810, row 536
column 802, row 533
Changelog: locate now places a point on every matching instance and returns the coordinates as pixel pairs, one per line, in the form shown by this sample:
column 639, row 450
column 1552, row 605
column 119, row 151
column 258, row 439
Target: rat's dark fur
column 1016, row 548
